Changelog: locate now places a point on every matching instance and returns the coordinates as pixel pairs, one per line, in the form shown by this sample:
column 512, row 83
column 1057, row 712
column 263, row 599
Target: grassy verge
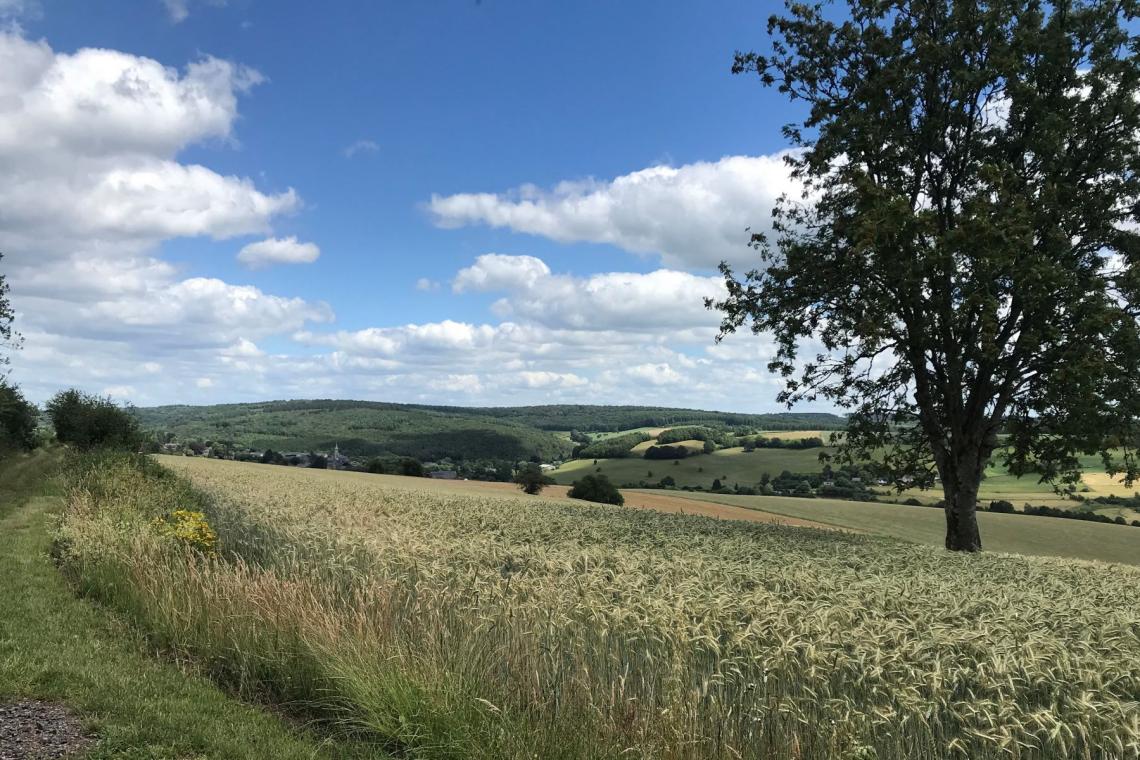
column 56, row 647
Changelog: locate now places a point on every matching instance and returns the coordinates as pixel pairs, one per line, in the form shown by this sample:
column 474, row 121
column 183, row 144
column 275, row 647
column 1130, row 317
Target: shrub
column 530, row 479
column 1001, row 505
column 760, row 442
column 1068, row 514
column 89, row 422
column 596, row 488
column 913, row 502
column 273, row 457
column 411, row 467
column 666, row 452
column 17, row 418
column 667, row 482
column 188, row 527
column 375, row 466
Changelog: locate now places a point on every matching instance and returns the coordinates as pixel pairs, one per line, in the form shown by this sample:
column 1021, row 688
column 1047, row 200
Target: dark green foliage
column 375, row 466
column 318, row 461
column 666, row 452
column 1001, row 505
column 87, row 422
column 716, row 484
column 360, row 428
column 913, row 502
column 1067, row 514
column 687, row 433
column 760, row 442
column 1118, row 501
column 612, row 448
column 596, row 488
column 667, row 482
column 584, row 417
column 269, row 456
column 411, row 467
column 18, row 419
column 966, row 253
column 530, row 479
column 579, row 437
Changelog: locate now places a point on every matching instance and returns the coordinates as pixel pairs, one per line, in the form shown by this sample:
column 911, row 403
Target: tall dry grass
column 447, row 625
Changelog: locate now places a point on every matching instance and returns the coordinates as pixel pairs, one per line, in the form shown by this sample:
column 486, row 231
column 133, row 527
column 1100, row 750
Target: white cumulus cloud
column 664, row 299
column 91, row 186
column 278, row 251
column 694, row 215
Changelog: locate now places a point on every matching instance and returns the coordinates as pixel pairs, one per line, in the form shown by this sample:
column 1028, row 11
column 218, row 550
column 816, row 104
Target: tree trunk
column 961, row 493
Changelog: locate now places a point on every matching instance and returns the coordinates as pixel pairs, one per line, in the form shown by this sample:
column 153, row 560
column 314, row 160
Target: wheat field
column 447, row 624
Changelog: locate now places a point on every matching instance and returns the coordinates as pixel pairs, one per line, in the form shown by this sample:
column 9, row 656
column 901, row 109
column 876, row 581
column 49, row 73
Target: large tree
column 962, row 270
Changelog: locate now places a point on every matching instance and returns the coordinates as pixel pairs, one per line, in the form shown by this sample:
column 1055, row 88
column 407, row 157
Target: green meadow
column 1012, row 533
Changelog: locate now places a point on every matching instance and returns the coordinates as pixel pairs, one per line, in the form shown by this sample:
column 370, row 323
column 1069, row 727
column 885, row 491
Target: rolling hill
column 369, row 428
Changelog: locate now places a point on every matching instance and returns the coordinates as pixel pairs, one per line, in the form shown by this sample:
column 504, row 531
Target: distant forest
column 371, row 428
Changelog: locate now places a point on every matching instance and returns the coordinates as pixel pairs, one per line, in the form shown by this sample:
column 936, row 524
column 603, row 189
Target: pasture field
column 797, row 435
column 732, row 465
column 692, row 445
column 736, row 466
column 464, row 625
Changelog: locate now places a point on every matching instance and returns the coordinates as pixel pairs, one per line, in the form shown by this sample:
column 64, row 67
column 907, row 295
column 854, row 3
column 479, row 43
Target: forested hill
column 365, row 428
column 598, row 418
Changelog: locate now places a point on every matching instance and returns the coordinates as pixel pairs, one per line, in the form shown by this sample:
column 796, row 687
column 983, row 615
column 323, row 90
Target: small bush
column 913, row 502
column 666, row 452
column 188, row 527
column 1001, row 505
column 596, row 488
column 530, row 479
column 411, row 467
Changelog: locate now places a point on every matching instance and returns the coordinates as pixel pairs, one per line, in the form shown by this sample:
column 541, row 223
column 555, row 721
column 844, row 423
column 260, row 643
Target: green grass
column 731, row 466
column 54, row 646
column 1016, row 534
column 737, row 466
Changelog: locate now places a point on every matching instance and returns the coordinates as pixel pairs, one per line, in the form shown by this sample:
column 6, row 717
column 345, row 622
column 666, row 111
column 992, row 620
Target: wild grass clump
column 462, row 625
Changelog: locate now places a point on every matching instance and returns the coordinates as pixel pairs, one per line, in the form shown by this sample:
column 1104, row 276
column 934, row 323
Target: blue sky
column 455, row 202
